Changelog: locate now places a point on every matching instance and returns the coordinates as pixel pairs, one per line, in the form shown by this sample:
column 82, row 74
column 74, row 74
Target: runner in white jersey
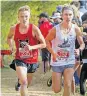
column 63, row 50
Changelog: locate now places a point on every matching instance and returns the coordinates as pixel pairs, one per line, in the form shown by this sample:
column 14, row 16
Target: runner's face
column 67, row 15
column 41, row 19
column 24, row 17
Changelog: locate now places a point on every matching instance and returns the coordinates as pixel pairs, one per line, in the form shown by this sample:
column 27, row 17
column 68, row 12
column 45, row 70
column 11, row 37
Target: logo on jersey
column 64, row 44
column 24, row 50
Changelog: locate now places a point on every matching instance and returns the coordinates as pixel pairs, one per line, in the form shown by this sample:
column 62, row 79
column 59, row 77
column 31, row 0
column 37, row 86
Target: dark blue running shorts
column 31, row 68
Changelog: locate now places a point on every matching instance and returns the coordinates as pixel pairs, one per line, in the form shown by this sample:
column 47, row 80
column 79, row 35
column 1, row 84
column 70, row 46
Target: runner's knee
column 24, row 82
column 73, row 80
column 68, row 85
column 56, row 90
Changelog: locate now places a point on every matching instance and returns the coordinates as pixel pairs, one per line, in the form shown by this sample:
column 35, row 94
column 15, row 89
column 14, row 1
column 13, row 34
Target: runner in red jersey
column 23, row 53
column 26, row 37
column 45, row 26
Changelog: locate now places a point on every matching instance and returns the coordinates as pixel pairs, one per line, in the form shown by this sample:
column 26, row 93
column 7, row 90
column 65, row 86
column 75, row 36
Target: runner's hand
column 54, row 57
column 12, row 51
column 28, row 46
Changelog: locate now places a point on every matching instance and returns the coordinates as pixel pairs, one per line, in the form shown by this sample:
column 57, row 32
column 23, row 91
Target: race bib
column 62, row 54
column 23, row 49
column 25, row 53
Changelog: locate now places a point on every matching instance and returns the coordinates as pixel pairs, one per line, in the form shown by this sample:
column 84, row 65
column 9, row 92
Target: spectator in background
column 77, row 13
column 83, row 75
column 78, row 21
column 59, row 8
column 56, row 17
column 84, row 17
column 45, row 25
column 83, row 6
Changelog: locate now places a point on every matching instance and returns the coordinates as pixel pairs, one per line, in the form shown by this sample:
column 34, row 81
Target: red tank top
column 45, row 27
column 20, row 41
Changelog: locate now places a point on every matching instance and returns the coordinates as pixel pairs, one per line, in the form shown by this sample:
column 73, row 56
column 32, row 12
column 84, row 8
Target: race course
column 38, row 86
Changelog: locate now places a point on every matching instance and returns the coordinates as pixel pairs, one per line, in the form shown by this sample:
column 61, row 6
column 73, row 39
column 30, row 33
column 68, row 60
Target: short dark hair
column 44, row 14
column 84, row 22
column 84, row 16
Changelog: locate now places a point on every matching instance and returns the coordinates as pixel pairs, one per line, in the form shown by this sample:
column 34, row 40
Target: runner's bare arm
column 37, row 34
column 79, row 38
column 49, row 38
column 10, row 37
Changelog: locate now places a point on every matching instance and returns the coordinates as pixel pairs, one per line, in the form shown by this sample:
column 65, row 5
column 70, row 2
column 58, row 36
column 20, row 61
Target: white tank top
column 64, row 46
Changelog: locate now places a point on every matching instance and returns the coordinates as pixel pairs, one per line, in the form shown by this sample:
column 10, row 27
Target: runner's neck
column 65, row 28
column 23, row 29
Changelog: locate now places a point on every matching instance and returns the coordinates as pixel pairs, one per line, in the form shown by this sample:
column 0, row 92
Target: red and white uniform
column 64, row 46
column 25, row 55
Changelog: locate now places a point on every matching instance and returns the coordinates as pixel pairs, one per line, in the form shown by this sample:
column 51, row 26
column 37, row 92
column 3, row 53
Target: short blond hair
column 24, row 8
